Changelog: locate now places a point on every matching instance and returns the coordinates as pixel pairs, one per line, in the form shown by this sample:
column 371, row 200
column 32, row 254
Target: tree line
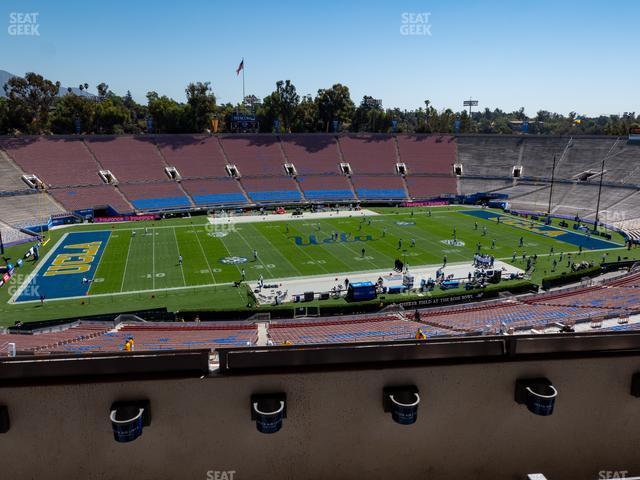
column 36, row 105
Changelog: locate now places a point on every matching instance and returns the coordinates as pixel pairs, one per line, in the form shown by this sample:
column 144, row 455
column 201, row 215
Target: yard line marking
column 309, row 256
column 184, row 281
column 126, row 263
column 205, row 257
column 210, row 285
column 153, row 256
column 277, row 250
column 237, row 266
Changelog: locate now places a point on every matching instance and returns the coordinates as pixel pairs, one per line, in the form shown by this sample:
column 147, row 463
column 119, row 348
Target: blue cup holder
column 126, row 423
column 402, row 403
column 128, row 419
column 269, row 412
column 538, row 394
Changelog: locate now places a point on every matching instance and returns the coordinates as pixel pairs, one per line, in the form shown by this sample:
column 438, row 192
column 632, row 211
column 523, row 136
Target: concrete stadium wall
column 468, row 426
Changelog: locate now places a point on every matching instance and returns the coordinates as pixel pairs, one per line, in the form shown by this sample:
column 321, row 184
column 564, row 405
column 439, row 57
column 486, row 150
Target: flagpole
column 242, row 81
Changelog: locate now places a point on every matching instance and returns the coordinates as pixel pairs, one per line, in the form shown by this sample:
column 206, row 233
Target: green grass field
column 142, row 270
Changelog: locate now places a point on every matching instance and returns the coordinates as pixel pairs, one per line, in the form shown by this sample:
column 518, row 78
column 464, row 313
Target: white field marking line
column 126, row 263
column 205, row 257
column 308, row 277
column 36, row 270
column 309, row 256
column 308, row 216
column 428, row 240
column 153, row 256
column 557, row 254
column 390, row 241
column 277, row 250
column 184, row 281
column 236, row 265
column 357, row 254
column 134, row 292
column 104, row 252
column 259, row 258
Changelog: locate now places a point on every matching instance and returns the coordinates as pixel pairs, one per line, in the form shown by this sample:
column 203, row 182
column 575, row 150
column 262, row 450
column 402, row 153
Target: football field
column 112, row 260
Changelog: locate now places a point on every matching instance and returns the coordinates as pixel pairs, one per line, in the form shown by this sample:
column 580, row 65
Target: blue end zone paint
column 150, row 203
column 53, row 284
column 577, row 239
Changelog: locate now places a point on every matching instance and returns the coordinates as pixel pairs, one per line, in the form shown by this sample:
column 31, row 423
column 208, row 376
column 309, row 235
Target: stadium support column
column 599, row 194
column 553, row 177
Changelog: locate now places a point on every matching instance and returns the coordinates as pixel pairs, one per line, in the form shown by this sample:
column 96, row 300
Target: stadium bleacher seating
column 617, row 298
column 427, row 154
column 538, row 153
column 254, row 154
column 12, row 235
column 326, row 187
column 312, row 154
column 369, row 154
column 351, row 330
column 512, row 314
column 475, row 185
column 155, row 196
column 128, row 158
column 316, row 160
column 214, row 191
column 379, row 187
column 28, row 210
column 10, row 175
column 271, row 189
column 195, row 156
column 85, row 337
column 57, row 161
column 78, row 198
column 138, row 163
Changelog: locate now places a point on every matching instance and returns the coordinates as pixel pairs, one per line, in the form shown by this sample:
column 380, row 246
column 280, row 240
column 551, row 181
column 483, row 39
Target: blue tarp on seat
column 275, row 196
column 166, row 202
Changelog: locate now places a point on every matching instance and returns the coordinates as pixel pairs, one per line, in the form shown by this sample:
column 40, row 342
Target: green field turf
column 142, row 271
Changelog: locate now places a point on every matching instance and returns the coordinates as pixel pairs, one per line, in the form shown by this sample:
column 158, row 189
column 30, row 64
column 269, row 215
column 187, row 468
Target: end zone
column 62, row 272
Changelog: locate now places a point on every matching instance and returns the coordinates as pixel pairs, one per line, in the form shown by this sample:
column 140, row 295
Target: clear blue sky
column 560, row 55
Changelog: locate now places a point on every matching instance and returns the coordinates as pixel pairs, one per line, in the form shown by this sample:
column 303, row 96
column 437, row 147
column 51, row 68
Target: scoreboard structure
column 244, row 123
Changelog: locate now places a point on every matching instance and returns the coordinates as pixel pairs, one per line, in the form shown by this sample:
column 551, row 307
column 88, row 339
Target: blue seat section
column 381, row 193
column 329, row 194
column 275, row 196
column 166, row 202
column 219, row 198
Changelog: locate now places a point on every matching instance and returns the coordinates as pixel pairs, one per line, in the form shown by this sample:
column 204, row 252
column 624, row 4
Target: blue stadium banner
column 525, row 127
column 335, row 125
column 77, row 124
column 276, row 126
column 456, row 125
column 394, row 125
column 149, row 125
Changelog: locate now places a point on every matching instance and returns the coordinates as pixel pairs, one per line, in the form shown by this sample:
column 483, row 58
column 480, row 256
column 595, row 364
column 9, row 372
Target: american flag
column 240, row 67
